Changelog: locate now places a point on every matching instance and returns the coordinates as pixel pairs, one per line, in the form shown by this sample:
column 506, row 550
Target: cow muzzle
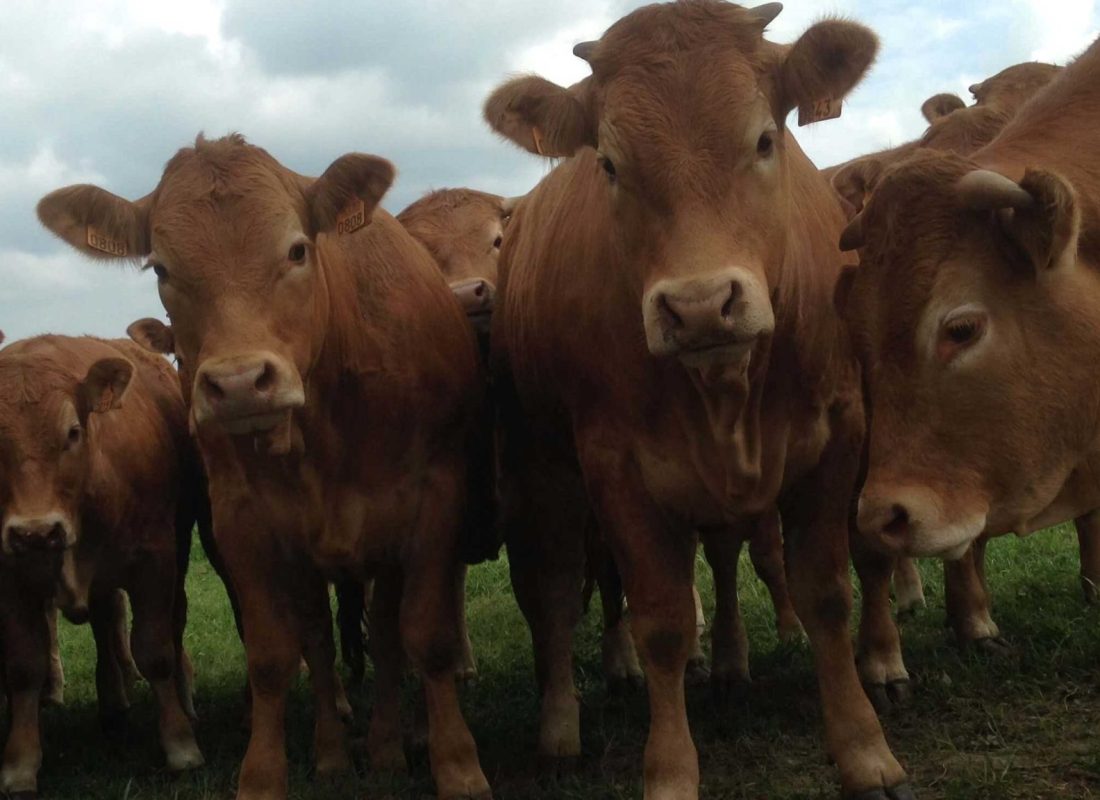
column 476, row 295
column 246, row 394
column 707, row 320
column 46, row 533
column 912, row 521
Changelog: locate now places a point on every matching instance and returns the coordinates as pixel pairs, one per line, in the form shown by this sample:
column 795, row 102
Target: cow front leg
column 729, row 641
column 26, row 637
column 121, row 635
column 881, row 665
column 969, row 607
column 431, row 634
column 656, row 562
column 908, row 588
column 384, row 740
column 766, row 554
column 621, row 667
column 330, row 750
column 816, row 512
column 110, row 682
column 1088, row 540
column 153, row 591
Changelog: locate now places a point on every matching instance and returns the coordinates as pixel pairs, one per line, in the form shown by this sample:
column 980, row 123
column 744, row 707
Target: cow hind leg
column 319, row 647
column 384, row 740
column 969, row 607
column 26, row 638
column 121, row 634
column 621, row 667
column 729, row 641
column 54, row 692
column 1088, row 540
column 467, row 664
column 766, row 554
column 110, row 682
column 879, row 657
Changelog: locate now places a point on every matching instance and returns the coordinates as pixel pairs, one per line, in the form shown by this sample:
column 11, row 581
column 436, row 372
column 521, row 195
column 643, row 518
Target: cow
column 667, row 355
column 334, row 386
column 97, row 492
column 972, row 312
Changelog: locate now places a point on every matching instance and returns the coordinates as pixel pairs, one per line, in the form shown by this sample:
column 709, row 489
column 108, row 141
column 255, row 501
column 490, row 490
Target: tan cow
column 647, row 374
column 335, row 382
column 97, row 491
column 974, row 314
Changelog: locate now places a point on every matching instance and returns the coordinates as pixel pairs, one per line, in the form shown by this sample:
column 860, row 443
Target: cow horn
column 508, row 204
column 584, row 50
column 852, row 237
column 984, row 190
column 766, row 13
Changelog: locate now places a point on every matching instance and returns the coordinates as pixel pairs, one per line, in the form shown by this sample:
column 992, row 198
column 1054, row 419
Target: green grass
column 1026, row 726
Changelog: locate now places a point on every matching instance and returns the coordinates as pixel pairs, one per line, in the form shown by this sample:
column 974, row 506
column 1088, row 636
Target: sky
column 105, row 92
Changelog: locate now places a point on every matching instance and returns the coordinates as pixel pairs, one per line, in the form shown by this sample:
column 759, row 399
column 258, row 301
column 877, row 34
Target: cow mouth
column 250, row 424
column 730, row 354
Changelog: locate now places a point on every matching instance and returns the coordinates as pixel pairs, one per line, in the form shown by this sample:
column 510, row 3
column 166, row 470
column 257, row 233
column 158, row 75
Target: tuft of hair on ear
column 105, row 385
column 351, row 177
column 1049, row 228
column 940, row 105
column 153, row 335
column 826, row 62
column 96, row 222
column 540, row 116
column 854, row 181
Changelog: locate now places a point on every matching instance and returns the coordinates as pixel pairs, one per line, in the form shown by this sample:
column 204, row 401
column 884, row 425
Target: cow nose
column 249, row 380
column 725, row 311
column 476, row 295
column 250, row 387
column 35, row 535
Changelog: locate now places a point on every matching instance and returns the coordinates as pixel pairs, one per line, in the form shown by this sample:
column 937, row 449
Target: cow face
column 683, row 123
column 232, row 238
column 1012, row 87
column 969, row 315
column 463, row 230
column 45, row 448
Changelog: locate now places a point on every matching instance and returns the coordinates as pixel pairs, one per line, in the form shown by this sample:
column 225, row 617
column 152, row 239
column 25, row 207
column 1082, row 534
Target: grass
column 1023, row 726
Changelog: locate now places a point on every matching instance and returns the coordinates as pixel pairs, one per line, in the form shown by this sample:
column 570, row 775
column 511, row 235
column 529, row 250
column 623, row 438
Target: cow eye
column 959, row 333
column 765, row 144
column 497, row 242
column 608, row 167
column 72, row 438
column 297, row 253
column 158, row 270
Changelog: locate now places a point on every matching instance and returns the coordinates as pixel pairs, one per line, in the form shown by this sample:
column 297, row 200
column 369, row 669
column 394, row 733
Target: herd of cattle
column 676, row 352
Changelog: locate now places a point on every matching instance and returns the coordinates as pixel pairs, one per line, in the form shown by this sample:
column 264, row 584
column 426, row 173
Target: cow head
column 970, row 316
column 232, row 238
column 683, row 123
column 46, row 447
column 1012, row 87
column 463, row 230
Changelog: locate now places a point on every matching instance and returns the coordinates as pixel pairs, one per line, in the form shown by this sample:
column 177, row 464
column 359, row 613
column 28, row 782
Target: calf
column 667, row 355
column 334, row 387
column 973, row 312
column 96, row 487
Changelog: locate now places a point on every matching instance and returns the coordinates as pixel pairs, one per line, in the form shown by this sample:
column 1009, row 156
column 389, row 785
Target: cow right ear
column 940, row 105
column 153, row 335
column 343, row 199
column 542, row 117
column 105, row 385
column 98, row 223
column 854, row 181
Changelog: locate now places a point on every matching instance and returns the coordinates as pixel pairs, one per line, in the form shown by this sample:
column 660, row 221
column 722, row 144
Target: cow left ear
column 105, row 385
column 939, row 106
column 343, row 199
column 1040, row 213
column 818, row 70
column 153, row 335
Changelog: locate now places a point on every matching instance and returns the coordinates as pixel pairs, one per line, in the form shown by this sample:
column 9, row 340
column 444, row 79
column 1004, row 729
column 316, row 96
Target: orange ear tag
column 536, row 134
column 819, row 111
column 352, row 218
column 105, row 244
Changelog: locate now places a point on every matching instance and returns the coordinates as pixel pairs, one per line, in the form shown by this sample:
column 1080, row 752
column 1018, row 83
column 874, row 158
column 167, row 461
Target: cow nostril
column 671, row 318
column 56, row 536
column 479, row 290
column 735, row 294
column 899, row 521
column 266, row 379
column 211, row 387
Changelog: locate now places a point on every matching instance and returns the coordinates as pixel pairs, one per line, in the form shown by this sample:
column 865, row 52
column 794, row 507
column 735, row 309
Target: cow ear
column 1040, row 213
column 153, row 335
column 855, row 180
column 843, row 289
column 105, row 385
column 98, row 223
column 818, row 70
column 940, row 105
column 542, row 117
column 1, row 337
column 345, row 196
column 851, row 238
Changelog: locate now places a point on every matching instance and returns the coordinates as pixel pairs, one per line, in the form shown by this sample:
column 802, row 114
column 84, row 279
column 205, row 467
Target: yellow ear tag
column 536, row 134
column 819, row 111
column 105, row 244
column 352, row 218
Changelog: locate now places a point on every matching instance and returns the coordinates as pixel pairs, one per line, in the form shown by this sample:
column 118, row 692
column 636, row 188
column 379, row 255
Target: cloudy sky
column 107, row 91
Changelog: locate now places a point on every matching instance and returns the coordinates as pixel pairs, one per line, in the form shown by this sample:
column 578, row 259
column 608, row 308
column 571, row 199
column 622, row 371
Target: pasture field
column 1020, row 726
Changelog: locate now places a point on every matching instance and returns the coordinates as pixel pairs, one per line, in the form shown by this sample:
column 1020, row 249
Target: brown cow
column 335, row 382
column 96, row 487
column 973, row 311
column 645, row 371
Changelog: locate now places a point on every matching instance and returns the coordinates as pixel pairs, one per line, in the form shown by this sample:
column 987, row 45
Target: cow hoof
column 696, row 673
column 558, row 766
column 791, row 633
column 1091, row 590
column 885, row 696
column 996, row 646
column 900, row 692
column 113, row 723
column 624, row 685
column 466, row 676
column 54, row 698
column 486, row 795
column 389, row 760
column 900, row 792
column 183, row 757
column 909, row 612
column 729, row 689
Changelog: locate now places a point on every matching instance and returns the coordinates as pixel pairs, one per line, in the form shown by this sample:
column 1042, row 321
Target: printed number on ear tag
column 352, row 218
column 819, row 110
column 105, row 244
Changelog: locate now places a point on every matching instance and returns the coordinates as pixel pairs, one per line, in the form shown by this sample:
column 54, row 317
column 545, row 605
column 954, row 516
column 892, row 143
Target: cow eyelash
column 72, row 438
column 608, row 166
column 497, row 242
column 297, row 253
column 158, row 269
column 765, row 144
